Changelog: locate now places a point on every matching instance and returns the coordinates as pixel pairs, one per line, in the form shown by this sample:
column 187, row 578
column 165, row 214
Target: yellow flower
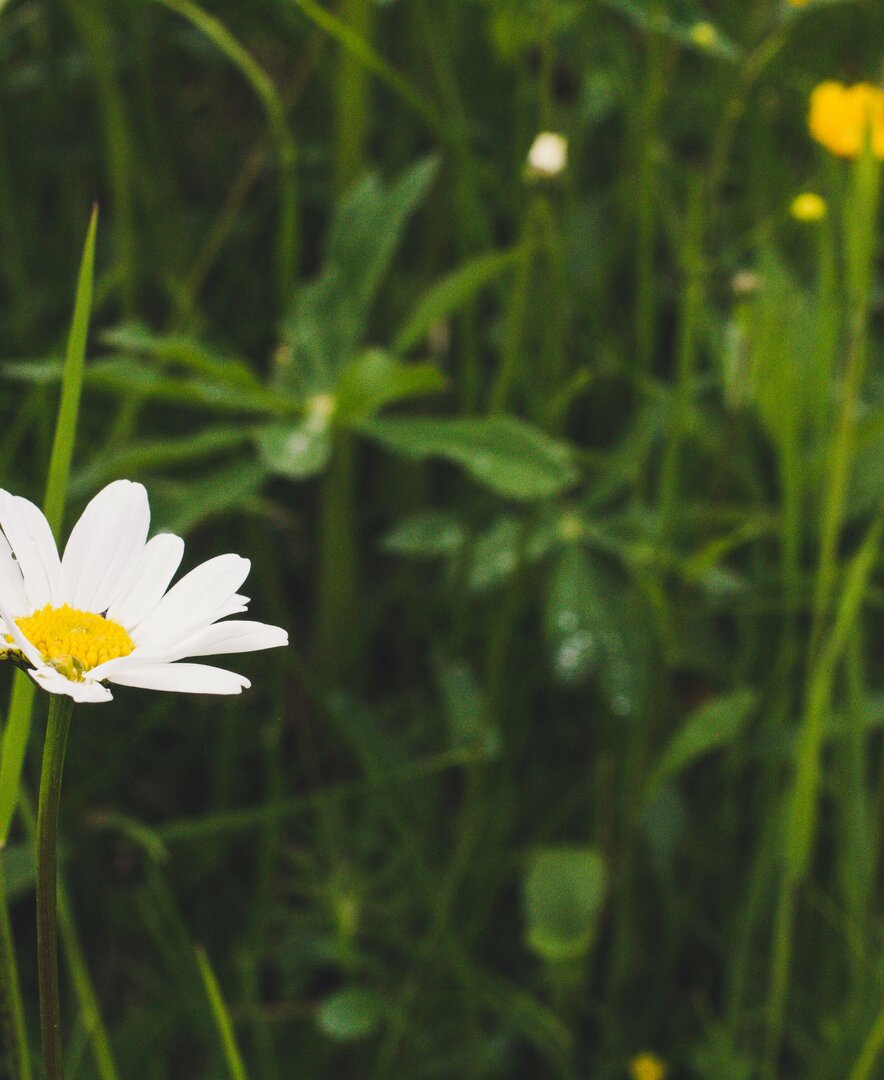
column 797, row 3
column 840, row 115
column 704, row 34
column 647, row 1067
column 808, row 206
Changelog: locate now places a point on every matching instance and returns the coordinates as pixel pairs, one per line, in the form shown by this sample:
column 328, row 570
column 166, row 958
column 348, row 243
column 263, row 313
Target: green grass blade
column 15, row 735
column 222, row 1017
column 350, row 40
column 261, row 83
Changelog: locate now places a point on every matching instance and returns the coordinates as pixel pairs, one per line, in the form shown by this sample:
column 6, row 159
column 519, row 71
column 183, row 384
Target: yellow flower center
column 74, row 641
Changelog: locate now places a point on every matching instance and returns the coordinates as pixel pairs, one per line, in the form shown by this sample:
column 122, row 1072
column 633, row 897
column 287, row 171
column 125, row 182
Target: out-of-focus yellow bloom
column 840, row 116
column 808, row 206
column 647, row 1067
column 704, row 34
column 797, row 3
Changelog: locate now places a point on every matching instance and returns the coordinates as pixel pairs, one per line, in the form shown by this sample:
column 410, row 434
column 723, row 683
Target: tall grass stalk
column 15, row 734
column 801, row 808
column 643, row 195
column 692, row 266
column 287, row 231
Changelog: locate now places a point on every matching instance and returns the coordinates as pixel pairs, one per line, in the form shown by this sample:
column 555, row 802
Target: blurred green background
column 568, row 489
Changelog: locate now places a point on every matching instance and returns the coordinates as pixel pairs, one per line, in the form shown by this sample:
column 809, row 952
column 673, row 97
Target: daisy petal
column 226, row 637
column 12, row 586
column 105, row 546
column 55, row 683
column 159, row 562
column 32, row 543
column 183, row 678
column 192, row 602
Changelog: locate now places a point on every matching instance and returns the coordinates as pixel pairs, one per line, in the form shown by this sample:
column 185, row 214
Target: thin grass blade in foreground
column 222, row 1017
column 15, row 735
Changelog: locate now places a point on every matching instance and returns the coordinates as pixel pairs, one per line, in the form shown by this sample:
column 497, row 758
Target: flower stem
column 57, row 726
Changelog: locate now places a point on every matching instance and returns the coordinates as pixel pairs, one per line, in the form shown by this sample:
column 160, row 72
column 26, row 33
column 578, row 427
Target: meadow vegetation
column 566, row 482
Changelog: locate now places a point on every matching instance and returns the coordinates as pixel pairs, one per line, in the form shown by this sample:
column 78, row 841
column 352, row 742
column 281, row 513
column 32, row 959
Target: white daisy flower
column 104, row 612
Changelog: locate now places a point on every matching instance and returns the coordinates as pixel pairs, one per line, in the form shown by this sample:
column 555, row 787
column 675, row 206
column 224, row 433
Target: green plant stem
column 57, row 727
column 12, row 1019
column 353, row 102
column 337, row 634
column 801, row 810
column 643, row 194
column 686, row 357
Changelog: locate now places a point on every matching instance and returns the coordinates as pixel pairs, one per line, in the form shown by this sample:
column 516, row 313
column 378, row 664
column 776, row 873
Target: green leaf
column 430, row 534
column 177, row 350
column 707, row 728
column 350, row 1014
column 139, row 458
column 466, row 708
column 123, row 375
column 597, row 624
column 180, row 506
column 564, row 891
column 507, row 455
column 295, row 451
column 327, row 322
column 376, row 379
column 453, row 292
column 574, row 616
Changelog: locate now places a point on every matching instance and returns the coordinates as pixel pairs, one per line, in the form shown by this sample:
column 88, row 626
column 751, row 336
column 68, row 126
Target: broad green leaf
column 350, row 1014
column 507, row 455
column 564, row 890
column 452, row 293
column 376, row 379
column 430, row 534
column 327, row 321
column 709, row 727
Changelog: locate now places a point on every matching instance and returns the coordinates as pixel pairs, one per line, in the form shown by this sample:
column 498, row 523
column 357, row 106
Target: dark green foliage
column 568, row 490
